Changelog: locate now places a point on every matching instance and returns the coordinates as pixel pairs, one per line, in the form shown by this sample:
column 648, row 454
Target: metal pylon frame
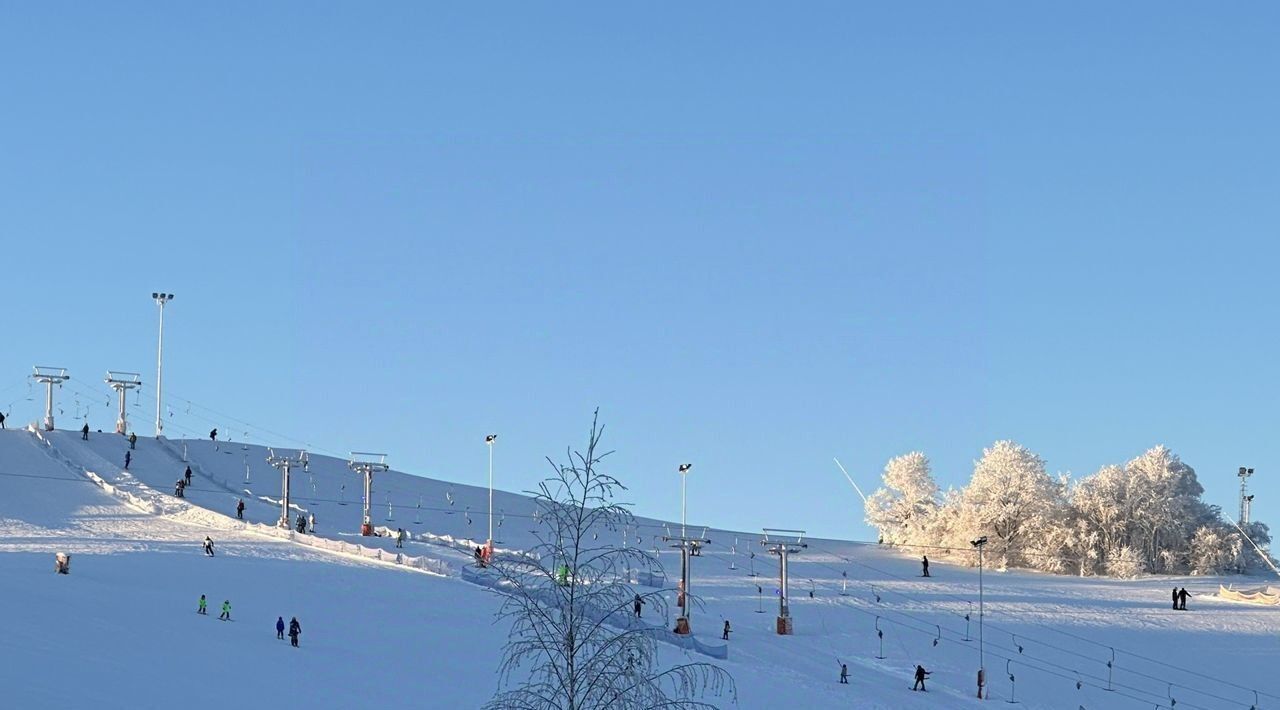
column 780, row 542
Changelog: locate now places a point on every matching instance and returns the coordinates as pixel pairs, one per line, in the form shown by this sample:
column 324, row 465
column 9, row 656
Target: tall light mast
column 161, row 299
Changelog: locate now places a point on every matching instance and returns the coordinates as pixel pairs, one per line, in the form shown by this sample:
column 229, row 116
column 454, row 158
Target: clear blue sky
column 757, row 236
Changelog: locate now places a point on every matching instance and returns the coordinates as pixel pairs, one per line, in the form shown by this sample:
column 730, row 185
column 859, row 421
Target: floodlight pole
column 161, row 299
column 490, row 440
column 981, row 544
column 49, row 376
column 285, row 463
column 684, row 543
column 1244, row 474
column 122, row 382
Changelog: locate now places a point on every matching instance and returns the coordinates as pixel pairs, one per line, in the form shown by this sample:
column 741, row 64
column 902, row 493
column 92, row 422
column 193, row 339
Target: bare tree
column 574, row 644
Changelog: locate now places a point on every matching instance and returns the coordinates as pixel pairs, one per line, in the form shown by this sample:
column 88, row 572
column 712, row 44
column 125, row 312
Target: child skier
column 226, row 610
column 280, row 627
column 202, row 609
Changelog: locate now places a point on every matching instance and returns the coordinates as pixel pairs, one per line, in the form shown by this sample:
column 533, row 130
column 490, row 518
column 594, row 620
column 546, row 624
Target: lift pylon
column 782, row 545
column 285, row 463
column 366, row 464
column 122, row 382
column 49, row 376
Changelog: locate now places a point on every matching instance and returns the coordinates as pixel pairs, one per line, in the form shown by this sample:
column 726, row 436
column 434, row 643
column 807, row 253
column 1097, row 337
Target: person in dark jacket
column 636, row 604
column 295, row 629
column 844, row 673
column 924, row 561
column 84, row 432
column 240, row 509
column 725, row 635
column 1182, row 599
column 128, row 458
column 1175, row 598
column 1, row 420
column 133, row 441
column 187, row 475
column 213, row 435
column 177, row 488
column 280, row 627
column 921, row 674
column 302, row 523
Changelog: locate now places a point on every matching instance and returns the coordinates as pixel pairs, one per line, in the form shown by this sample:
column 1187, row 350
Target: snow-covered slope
column 120, row 631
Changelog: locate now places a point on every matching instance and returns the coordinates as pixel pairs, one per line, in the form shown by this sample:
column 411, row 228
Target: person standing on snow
column 311, row 523
column 213, row 435
column 201, row 609
column 294, row 630
column 924, row 561
column 240, row 509
column 399, row 537
column 208, row 545
column 1182, row 599
column 84, row 432
column 1, row 420
column 128, row 457
column 187, row 476
column 133, row 440
column 636, row 604
column 280, row 627
column 226, row 610
column 921, row 674
column 844, row 673
column 725, row 635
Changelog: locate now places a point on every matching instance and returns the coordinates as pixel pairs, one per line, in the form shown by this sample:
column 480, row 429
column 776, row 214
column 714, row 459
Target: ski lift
column 388, row 499
column 467, row 514
column 937, row 638
column 880, row 635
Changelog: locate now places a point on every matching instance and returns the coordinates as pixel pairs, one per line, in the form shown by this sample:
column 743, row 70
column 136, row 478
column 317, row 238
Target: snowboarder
column 311, row 523
column 636, row 604
column 1182, row 599
column 924, row 561
column 399, row 537
column 208, row 545
column 921, row 674
column 1175, row 598
column 226, row 610
column 240, row 509
column 294, row 629
column 133, row 440
column 213, row 435
column 187, row 475
column 280, row 627
column 201, row 609
column 844, row 673
column 302, row 524
column 177, row 488
column 84, row 432
column 128, row 457
column 725, row 635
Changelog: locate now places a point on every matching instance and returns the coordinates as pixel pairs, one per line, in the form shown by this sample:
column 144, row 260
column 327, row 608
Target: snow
column 120, row 630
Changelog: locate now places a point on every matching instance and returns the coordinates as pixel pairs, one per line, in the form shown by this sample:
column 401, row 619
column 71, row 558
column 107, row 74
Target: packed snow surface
column 400, row 627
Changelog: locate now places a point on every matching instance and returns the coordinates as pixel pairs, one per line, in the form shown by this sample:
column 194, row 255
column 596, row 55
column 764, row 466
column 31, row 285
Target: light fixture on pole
column 981, row 544
column 687, row 545
column 684, row 476
column 1245, row 500
column 161, row 299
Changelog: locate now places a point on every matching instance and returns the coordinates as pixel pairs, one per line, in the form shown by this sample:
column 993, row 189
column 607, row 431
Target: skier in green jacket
column 226, row 610
column 202, row 609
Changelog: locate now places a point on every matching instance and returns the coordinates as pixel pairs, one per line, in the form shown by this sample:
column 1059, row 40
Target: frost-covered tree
column 903, row 508
column 567, row 599
column 1165, row 508
column 1011, row 498
column 1215, row 550
column 1126, row 563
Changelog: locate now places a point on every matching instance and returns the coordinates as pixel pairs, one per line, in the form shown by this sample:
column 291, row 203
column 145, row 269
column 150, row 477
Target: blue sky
column 756, row 236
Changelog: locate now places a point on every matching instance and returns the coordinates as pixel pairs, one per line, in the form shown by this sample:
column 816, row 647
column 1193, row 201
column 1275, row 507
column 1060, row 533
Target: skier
column 399, row 537
column 213, row 435
column 844, row 673
column 1, row 420
column 84, row 432
column 1182, row 599
column 479, row 555
column 128, row 457
column 201, row 609
column 311, row 523
column 1175, row 598
column 280, row 627
column 240, row 509
column 177, row 488
column 921, row 674
column 637, row 603
column 924, row 560
column 133, row 440
column 187, row 475
column 208, row 545
column 725, row 635
column 226, row 610
column 302, row 523
column 294, row 629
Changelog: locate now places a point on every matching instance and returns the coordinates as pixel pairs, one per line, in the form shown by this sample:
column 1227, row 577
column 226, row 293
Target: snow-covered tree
column 1011, row 498
column 903, row 508
column 567, row 599
column 1125, row 562
column 1215, row 550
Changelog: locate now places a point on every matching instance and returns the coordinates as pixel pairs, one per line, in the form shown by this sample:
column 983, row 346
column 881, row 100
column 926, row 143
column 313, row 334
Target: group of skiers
column 202, row 608
column 304, row 523
column 295, row 630
column 920, row 675
column 1180, row 599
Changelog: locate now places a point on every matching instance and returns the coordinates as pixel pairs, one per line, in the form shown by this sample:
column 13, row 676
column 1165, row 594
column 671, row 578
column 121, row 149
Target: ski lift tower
column 366, row 464
column 783, row 546
column 122, row 382
column 285, row 463
column 1245, row 499
column 49, row 376
column 687, row 545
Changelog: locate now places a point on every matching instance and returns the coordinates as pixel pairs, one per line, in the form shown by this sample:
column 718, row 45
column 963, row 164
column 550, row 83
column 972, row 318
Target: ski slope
column 121, row 631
